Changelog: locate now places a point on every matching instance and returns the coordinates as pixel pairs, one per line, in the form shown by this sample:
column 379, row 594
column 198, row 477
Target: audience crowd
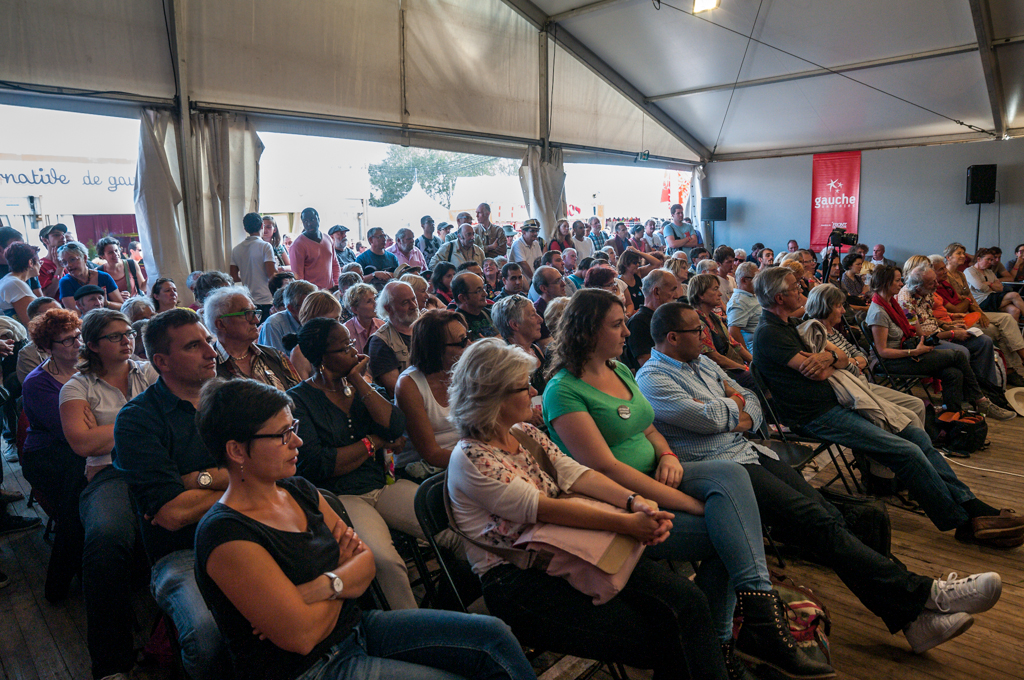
column 259, row 453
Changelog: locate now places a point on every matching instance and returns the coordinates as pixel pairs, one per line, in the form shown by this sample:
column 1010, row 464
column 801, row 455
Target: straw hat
column 1015, row 395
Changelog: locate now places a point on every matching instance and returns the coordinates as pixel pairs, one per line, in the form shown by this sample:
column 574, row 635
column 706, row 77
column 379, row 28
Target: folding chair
column 374, row 597
column 903, row 382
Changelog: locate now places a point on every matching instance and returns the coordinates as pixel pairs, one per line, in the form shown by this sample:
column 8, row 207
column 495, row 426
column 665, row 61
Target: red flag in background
column 835, row 195
column 666, row 188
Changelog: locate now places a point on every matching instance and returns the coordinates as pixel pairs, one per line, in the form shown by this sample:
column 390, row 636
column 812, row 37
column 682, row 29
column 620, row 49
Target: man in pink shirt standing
column 312, row 255
column 405, row 250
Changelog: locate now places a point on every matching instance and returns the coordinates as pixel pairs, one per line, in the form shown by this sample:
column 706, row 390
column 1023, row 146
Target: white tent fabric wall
column 543, row 185
column 227, row 168
column 406, row 212
column 158, row 204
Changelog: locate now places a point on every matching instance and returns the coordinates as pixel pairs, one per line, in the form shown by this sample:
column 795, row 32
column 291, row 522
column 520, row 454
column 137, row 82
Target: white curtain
column 699, row 190
column 227, row 152
column 543, row 184
column 158, row 201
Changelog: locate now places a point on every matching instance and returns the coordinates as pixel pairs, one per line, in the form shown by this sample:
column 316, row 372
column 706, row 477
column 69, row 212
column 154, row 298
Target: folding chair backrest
column 433, row 518
column 764, row 396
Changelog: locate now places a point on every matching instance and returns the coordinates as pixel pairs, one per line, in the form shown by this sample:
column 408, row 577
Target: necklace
column 346, row 390
column 243, row 357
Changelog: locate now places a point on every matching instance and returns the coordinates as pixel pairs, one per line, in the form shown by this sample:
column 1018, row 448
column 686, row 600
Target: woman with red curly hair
column 51, row 467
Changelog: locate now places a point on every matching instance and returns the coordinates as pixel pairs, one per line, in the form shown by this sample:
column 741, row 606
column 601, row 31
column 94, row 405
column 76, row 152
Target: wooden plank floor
column 40, row 640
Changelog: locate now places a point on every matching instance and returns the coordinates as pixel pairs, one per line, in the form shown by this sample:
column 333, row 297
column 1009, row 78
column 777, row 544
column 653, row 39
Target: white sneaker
column 972, row 595
column 996, row 412
column 931, row 629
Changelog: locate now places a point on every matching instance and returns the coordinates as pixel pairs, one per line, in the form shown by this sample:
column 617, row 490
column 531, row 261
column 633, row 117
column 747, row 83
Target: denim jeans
column 660, row 620
column 799, row 515
column 426, row 644
column 174, row 587
column 911, row 457
column 108, row 557
column 727, row 539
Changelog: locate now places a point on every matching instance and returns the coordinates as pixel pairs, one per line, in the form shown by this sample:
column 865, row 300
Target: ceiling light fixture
column 704, row 5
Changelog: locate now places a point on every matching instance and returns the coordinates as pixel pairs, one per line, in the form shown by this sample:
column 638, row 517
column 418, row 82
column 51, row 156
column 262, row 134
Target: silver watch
column 204, row 480
column 336, row 584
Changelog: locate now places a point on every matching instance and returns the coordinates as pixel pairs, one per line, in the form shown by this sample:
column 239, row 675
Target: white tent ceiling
column 618, row 76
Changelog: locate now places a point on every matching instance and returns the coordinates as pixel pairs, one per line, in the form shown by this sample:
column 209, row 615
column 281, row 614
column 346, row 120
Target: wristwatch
column 835, row 358
column 336, row 585
column 204, row 480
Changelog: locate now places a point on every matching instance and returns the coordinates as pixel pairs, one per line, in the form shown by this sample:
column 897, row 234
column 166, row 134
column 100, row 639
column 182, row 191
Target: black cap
column 46, row 231
column 88, row 290
column 336, row 229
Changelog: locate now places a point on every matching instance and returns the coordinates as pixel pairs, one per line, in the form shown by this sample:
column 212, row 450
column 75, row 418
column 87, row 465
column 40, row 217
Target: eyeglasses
column 74, row 340
column 115, row 337
column 341, row 350
column 251, row 315
column 285, row 436
column 521, row 389
column 687, row 330
column 464, row 343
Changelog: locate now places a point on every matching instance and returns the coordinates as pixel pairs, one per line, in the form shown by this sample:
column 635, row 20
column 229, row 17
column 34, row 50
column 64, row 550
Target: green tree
column 436, row 171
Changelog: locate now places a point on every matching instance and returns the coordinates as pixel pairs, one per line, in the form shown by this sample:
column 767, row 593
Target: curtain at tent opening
column 699, row 190
column 227, row 153
column 158, row 201
column 543, row 184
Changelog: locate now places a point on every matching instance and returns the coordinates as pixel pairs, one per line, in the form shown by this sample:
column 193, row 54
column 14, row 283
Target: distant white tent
column 407, row 212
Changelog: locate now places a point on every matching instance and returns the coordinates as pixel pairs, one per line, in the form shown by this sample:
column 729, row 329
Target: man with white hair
column 405, row 250
column 389, row 347
column 743, row 311
column 286, row 321
column 659, row 287
column 230, row 314
column 569, row 259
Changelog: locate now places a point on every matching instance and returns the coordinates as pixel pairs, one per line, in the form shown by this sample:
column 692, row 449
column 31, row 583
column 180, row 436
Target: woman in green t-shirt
column 596, row 414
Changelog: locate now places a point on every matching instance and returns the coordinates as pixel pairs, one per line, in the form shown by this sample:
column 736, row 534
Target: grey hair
column 539, row 277
column 567, row 250
column 296, row 291
column 937, row 259
column 73, row 247
column 705, row 266
column 385, row 297
column 654, row 280
column 219, row 302
column 505, row 311
column 747, row 270
column 822, row 300
column 952, row 248
column 553, row 312
column 914, row 279
column 770, row 284
column 417, row 282
column 401, row 233
column 481, row 382
column 740, row 254
column 790, row 256
column 132, row 304
column 357, row 294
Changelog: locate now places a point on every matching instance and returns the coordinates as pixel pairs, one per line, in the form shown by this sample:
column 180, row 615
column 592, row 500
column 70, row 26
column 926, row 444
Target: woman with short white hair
column 360, row 301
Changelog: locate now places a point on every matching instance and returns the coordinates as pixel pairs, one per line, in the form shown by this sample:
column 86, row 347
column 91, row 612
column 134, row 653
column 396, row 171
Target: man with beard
column 389, row 347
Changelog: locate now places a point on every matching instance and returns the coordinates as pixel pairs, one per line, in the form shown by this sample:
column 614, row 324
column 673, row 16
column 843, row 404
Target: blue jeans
column 108, row 557
column 424, row 644
column 174, row 587
column 980, row 353
column 911, row 457
column 727, row 539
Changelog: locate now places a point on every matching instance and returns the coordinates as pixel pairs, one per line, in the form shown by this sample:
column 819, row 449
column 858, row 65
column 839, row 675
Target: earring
column 241, row 470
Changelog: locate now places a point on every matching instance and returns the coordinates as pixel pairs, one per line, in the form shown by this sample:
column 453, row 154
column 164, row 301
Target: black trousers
column 659, row 620
column 959, row 383
column 799, row 515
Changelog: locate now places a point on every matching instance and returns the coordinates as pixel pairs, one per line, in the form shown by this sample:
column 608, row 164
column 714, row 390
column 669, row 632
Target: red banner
column 835, row 195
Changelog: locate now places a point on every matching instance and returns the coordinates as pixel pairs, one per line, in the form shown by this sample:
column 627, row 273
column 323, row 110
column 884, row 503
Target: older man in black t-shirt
column 659, row 287
column 805, row 401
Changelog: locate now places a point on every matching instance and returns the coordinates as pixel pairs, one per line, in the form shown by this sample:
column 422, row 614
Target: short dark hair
column 155, row 290
column 601, row 255
column 93, row 324
column 850, row 258
column 252, row 223
column 313, row 338
column 139, row 327
column 235, row 410
column 7, row 235
column 20, row 255
column 698, row 250
column 674, row 207
column 33, row 307
column 425, row 219
column 547, row 257
column 279, row 281
column 723, row 253
column 883, row 275
column 666, row 319
column 134, row 245
column 441, row 270
column 628, row 258
column 429, row 340
column 102, row 244
column 467, row 265
column 584, row 264
column 156, row 336
column 510, row 267
column 459, row 285
column 211, row 281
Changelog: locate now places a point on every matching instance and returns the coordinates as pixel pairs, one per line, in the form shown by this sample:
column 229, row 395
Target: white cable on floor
column 981, row 469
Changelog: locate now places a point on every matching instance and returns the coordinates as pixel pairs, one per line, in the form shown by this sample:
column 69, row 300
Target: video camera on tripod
column 839, row 238
column 836, row 240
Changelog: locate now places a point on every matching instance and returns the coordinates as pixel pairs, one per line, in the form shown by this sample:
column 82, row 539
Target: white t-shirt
column 584, row 248
column 12, row 289
column 249, row 256
column 525, row 253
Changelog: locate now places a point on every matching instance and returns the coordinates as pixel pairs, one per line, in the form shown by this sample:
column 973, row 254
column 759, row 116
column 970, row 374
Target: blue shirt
column 692, row 412
column 385, row 262
column 599, row 239
column 69, row 285
column 744, row 312
column 276, row 327
column 156, row 442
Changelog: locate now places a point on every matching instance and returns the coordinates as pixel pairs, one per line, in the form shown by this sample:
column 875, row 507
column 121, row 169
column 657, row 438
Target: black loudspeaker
column 981, row 184
column 713, row 209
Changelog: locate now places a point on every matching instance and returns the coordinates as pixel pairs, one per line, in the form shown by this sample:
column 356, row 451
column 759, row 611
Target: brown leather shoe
column 1006, row 525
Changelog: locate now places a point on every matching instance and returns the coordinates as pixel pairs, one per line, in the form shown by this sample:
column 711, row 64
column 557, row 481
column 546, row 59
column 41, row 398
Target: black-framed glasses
column 73, row 340
column 464, row 343
column 251, row 315
column 698, row 329
column 285, row 435
column 521, row 389
column 115, row 337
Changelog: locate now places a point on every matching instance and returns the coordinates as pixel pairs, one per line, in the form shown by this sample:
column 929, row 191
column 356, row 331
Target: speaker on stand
column 712, row 210
column 981, row 188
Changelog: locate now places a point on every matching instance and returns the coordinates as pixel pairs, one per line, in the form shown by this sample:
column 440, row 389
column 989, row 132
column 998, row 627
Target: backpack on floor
column 961, row 436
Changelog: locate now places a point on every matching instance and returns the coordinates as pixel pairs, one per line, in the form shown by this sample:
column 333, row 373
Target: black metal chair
column 903, row 382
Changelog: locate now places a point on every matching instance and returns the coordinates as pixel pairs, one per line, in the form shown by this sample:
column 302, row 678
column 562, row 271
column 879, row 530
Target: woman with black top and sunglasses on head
column 439, row 337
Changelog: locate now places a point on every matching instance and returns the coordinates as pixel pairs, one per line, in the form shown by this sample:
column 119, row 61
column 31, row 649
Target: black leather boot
column 765, row 638
column 733, row 664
